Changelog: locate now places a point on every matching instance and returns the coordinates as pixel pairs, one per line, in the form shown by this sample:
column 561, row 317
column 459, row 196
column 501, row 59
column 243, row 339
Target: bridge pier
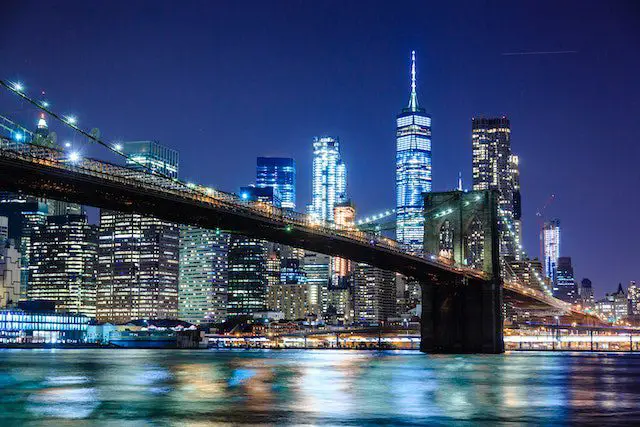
column 462, row 316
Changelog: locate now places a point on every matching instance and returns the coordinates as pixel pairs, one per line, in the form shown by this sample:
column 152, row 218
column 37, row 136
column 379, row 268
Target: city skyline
column 356, row 152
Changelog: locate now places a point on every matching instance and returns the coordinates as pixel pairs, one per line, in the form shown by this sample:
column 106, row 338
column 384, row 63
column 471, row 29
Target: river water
column 191, row 387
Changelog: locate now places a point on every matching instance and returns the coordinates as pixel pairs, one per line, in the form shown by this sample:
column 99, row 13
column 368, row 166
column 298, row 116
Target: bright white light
column 19, row 137
column 74, row 156
column 117, row 147
column 67, row 144
column 71, row 120
column 245, row 196
column 45, row 104
column 18, row 86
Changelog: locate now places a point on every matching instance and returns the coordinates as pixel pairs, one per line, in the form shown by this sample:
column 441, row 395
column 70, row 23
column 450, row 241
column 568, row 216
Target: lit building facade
column 565, row 287
column 202, row 283
column 24, row 215
column 615, row 306
column 9, row 267
column 252, row 265
column 375, row 294
column 22, row 327
column 280, row 174
column 151, row 156
column 633, row 295
column 550, row 236
column 63, row 264
column 495, row 167
column 139, row 255
column 586, row 293
column 413, row 168
column 329, row 183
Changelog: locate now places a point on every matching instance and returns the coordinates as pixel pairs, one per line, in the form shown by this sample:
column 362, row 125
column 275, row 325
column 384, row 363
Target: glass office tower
column 413, row 168
column 280, row 174
column 329, row 185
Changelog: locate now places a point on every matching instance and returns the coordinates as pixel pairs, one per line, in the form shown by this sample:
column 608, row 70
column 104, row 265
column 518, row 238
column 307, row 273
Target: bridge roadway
column 48, row 172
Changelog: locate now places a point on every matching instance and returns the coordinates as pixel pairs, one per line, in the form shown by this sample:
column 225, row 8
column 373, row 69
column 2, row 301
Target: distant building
column 24, row 214
column 550, row 237
column 18, row 326
column 495, row 167
column 586, row 293
column 280, row 174
column 290, row 299
column 565, row 287
column 9, row 267
column 316, row 270
column 375, row 294
column 329, row 185
column 413, row 168
column 138, row 255
column 63, row 264
column 202, row 282
column 249, row 267
column 633, row 295
column 151, row 156
column 613, row 306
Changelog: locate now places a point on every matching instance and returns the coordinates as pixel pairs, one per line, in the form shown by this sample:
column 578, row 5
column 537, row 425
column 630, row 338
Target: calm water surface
column 158, row 387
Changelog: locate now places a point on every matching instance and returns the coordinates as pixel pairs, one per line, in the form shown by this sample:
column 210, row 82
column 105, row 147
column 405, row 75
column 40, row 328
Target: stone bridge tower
column 462, row 314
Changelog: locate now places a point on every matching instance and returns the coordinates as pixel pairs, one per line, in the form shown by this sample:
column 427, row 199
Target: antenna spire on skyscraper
column 413, row 100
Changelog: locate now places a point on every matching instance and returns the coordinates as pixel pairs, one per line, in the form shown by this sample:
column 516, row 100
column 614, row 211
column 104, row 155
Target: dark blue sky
column 225, row 82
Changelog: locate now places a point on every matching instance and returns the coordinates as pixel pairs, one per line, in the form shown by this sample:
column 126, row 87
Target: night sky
column 225, row 82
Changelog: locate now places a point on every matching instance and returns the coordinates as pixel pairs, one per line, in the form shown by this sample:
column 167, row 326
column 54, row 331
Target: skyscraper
column 550, row 236
column 586, row 293
column 495, row 167
column 138, row 255
column 280, row 174
column 63, row 263
column 413, row 168
column 329, row 185
column 250, row 263
column 375, row 294
column 202, row 284
column 565, row 287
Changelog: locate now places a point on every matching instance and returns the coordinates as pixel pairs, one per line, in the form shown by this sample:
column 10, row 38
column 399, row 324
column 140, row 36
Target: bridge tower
column 462, row 314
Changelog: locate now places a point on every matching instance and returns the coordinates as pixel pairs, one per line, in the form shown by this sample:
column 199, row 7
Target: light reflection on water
column 316, row 387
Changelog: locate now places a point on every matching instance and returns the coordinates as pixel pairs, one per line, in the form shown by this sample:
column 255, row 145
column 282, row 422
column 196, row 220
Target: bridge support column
column 462, row 316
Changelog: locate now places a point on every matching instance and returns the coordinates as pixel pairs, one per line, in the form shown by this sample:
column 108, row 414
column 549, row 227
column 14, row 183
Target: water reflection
column 315, row 387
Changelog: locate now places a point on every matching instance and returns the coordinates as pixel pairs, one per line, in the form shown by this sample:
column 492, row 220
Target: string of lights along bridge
column 278, row 224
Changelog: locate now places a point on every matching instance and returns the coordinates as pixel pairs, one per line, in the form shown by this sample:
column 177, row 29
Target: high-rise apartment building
column 278, row 173
column 375, row 294
column 63, row 264
column 138, row 255
column 565, row 287
column 202, row 283
column 329, row 184
column 550, row 237
column 495, row 167
column 413, row 168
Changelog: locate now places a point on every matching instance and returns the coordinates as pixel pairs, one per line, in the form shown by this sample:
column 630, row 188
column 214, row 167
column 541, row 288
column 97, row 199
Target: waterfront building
column 586, row 293
column 329, row 183
column 316, row 270
column 63, row 264
column 202, row 280
column 375, row 294
column 413, row 168
column 495, row 167
column 280, row 174
column 139, row 255
column 550, row 237
column 19, row 326
column 565, row 287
